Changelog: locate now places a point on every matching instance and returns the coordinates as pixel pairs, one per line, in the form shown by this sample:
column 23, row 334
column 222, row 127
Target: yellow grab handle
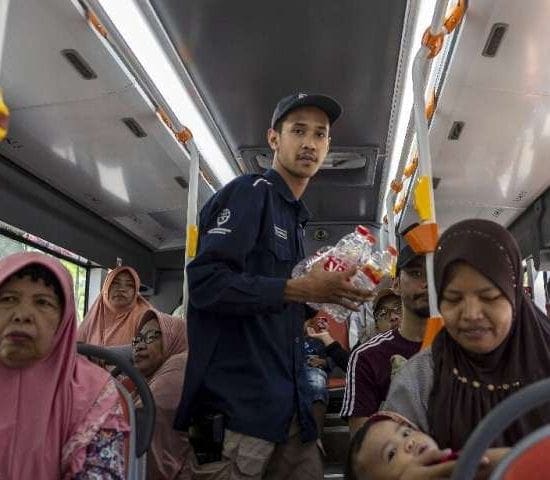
column 4, row 117
column 422, row 198
column 192, row 241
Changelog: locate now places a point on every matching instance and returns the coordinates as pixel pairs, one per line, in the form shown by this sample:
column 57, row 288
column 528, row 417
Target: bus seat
column 528, row 459
column 338, row 330
column 141, row 420
column 527, row 456
column 336, row 383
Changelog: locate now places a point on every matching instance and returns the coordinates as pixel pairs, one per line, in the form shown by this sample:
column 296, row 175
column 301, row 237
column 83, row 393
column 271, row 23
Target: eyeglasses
column 384, row 312
column 148, row 338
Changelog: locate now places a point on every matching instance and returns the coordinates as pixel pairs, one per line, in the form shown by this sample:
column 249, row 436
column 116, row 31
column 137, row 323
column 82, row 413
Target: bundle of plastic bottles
column 356, row 249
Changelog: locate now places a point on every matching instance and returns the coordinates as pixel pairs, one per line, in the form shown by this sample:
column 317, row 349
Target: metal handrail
column 145, row 421
column 504, row 414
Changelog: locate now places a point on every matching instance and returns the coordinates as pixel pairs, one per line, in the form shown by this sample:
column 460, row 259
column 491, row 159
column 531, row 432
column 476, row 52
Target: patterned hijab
column 456, row 406
column 42, row 405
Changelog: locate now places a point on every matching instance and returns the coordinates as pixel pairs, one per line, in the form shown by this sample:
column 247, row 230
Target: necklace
column 489, row 386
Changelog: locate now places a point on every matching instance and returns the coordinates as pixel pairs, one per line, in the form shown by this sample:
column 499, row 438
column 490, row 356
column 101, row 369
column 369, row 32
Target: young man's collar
column 280, row 185
column 282, row 188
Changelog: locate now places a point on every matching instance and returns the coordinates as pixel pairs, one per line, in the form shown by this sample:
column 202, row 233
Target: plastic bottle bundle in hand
column 352, row 250
column 304, row 266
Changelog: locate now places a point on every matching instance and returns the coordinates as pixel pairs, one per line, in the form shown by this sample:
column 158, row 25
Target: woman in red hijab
column 114, row 316
column 60, row 415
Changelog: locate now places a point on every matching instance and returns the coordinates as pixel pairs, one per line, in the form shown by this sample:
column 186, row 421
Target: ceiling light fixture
column 141, row 39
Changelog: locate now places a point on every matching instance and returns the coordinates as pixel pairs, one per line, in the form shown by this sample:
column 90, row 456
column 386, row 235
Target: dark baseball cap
column 406, row 256
column 330, row 106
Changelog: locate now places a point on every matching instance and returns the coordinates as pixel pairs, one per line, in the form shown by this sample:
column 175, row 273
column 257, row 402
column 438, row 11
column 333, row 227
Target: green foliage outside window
column 9, row 245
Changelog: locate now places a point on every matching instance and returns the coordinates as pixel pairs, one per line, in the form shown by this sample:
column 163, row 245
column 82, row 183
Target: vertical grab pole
column 426, row 234
column 191, row 240
column 425, row 163
column 4, row 111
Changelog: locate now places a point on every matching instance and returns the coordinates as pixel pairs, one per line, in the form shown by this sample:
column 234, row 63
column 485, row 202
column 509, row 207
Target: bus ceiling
column 85, row 119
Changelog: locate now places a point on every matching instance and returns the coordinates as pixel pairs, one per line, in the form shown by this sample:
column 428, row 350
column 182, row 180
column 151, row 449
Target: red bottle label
column 334, row 264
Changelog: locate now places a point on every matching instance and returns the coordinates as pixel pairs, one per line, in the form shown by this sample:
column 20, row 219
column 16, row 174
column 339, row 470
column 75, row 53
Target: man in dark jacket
column 246, row 315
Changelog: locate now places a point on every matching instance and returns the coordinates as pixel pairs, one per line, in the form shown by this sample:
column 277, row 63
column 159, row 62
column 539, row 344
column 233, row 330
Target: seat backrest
column 496, row 421
column 145, row 415
column 528, row 460
column 129, row 414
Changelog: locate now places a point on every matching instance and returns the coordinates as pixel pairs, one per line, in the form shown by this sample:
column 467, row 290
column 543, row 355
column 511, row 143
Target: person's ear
column 396, row 287
column 273, row 139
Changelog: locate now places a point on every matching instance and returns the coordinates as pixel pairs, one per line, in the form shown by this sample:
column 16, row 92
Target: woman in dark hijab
column 495, row 340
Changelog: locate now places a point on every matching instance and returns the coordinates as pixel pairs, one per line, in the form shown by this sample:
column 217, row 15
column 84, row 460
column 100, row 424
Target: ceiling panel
column 33, row 70
column 521, row 64
column 88, row 151
column 68, row 131
column 499, row 164
column 496, row 161
column 244, row 56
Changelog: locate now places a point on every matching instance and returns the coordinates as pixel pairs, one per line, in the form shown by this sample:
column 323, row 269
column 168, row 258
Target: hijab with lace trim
column 456, row 407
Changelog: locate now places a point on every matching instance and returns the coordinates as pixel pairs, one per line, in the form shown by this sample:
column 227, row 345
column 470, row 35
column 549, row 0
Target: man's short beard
column 423, row 311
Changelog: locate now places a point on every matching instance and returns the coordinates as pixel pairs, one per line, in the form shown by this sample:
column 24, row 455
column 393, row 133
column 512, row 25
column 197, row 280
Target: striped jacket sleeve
column 362, row 395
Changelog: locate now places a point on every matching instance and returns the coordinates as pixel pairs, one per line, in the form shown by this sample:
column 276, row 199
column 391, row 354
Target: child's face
column 389, row 448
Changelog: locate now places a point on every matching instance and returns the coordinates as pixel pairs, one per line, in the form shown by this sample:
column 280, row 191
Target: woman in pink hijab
column 115, row 314
column 61, row 416
column 160, row 354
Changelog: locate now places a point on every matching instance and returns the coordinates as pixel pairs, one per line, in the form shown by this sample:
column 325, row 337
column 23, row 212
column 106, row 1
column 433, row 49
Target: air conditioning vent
column 134, row 127
column 182, row 182
column 79, row 64
column 495, row 39
column 336, row 160
column 13, row 143
column 455, row 131
column 520, row 196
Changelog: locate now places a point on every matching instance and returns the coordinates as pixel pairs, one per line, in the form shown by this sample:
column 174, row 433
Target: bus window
column 13, row 240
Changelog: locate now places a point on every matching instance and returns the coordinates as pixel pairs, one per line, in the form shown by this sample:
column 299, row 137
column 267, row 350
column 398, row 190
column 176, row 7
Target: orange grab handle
column 433, row 327
column 423, row 238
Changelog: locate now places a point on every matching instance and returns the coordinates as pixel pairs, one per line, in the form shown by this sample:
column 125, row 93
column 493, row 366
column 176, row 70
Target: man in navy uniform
column 246, row 314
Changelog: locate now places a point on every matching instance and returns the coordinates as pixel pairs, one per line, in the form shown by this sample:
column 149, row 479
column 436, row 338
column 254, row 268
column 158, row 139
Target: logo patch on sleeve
column 223, row 217
column 281, row 233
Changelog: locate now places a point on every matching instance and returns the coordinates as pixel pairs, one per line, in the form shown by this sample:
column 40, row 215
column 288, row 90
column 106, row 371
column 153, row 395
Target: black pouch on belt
column 206, row 435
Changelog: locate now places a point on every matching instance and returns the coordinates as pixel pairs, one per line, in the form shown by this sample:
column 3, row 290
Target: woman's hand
column 493, row 457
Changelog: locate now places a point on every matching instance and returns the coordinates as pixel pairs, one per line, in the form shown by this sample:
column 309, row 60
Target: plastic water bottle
column 355, row 249
column 304, row 266
column 389, row 261
column 350, row 250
